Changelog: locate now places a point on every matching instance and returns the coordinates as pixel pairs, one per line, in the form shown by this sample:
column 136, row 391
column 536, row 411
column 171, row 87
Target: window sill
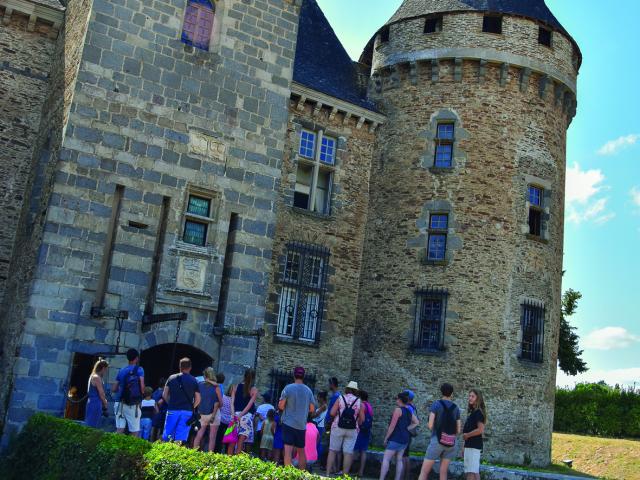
column 194, row 250
column 309, row 213
column 428, row 353
column 538, row 239
column 436, row 263
column 441, row 169
column 530, row 363
column 295, row 341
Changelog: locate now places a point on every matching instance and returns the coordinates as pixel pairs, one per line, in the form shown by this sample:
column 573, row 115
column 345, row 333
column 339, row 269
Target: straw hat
column 353, row 385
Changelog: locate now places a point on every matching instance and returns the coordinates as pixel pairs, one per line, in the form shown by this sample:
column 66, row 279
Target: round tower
column 462, row 266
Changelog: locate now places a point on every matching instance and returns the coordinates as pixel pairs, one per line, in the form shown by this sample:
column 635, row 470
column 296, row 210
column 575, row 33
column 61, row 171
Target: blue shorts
column 395, row 446
column 293, row 436
column 175, row 426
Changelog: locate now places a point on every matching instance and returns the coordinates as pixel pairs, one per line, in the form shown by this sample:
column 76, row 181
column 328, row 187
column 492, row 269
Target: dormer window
column 198, row 24
column 433, row 24
column 544, row 36
column 492, row 24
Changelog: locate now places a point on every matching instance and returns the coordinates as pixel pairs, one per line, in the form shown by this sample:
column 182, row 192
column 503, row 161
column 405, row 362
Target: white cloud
column 621, row 376
column 582, row 186
column 610, row 338
column 635, row 196
column 614, row 146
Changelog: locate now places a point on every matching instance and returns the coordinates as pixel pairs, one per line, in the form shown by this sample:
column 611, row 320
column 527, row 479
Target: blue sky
column 602, row 234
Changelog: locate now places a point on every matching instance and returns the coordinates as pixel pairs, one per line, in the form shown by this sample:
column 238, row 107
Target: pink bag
column 231, row 433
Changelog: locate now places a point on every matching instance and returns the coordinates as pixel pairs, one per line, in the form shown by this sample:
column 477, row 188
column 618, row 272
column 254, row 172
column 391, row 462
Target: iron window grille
column 445, row 138
column 302, row 297
column 532, row 325
column 535, row 197
column 197, row 219
column 281, row 378
column 198, row 24
column 437, row 243
column 429, row 325
column 492, row 24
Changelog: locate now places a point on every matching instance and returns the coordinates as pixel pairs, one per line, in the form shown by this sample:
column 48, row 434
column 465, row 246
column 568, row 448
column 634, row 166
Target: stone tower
column 462, row 270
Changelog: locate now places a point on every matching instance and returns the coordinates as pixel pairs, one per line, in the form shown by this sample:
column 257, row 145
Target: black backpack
column 447, row 428
column 347, row 419
column 132, row 393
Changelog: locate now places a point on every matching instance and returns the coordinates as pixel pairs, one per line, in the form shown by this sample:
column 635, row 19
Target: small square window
column 384, row 35
column 328, row 150
column 444, row 155
column 433, row 25
column 195, row 233
column 492, row 24
column 445, row 131
column 307, row 144
column 199, row 206
column 439, row 222
column 535, row 196
column 437, row 247
column 544, row 36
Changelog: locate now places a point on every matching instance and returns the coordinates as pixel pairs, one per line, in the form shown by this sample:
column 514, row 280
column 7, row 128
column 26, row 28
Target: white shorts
column 343, row 440
column 127, row 416
column 472, row 460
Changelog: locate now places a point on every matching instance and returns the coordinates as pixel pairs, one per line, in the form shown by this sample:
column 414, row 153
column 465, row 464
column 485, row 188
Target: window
column 314, row 178
column 492, row 24
column 303, row 290
column 444, row 145
column 433, row 25
column 197, row 220
column 544, row 36
column 282, row 378
column 198, row 23
column 437, row 246
column 384, row 35
column 536, row 196
column 532, row 324
column 431, row 307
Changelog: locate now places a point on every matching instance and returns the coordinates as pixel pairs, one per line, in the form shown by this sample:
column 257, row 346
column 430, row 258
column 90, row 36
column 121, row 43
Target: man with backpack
column 183, row 397
column 296, row 403
column 348, row 415
column 128, row 393
column 445, row 426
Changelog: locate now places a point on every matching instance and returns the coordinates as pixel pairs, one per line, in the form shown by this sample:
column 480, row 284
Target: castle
column 218, row 179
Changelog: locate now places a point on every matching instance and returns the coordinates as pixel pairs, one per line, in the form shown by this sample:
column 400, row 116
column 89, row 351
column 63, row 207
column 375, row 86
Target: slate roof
column 55, row 4
column 322, row 63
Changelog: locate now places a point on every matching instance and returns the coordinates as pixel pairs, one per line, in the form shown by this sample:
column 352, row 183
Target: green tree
column 569, row 353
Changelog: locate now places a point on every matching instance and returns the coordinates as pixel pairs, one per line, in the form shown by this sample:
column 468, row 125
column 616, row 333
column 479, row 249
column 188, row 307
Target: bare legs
column 427, row 465
column 388, row 455
column 363, row 462
column 288, row 454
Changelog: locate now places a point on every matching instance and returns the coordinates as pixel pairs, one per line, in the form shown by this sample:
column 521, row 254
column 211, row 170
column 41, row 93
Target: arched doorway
column 158, row 362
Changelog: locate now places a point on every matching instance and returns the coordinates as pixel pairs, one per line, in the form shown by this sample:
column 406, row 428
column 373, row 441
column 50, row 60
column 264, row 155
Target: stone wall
column 156, row 120
column 342, row 232
column 24, row 79
column 510, row 131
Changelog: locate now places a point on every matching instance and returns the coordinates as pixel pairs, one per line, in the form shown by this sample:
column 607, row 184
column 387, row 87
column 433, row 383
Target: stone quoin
column 218, row 179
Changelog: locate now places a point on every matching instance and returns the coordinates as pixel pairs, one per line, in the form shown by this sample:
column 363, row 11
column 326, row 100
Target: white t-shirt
column 261, row 412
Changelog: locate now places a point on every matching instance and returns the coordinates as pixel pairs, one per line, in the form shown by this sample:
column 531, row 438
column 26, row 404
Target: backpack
column 132, row 393
column 447, row 426
column 368, row 421
column 347, row 419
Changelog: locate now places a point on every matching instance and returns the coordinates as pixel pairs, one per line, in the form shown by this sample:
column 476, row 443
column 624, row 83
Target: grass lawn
column 600, row 457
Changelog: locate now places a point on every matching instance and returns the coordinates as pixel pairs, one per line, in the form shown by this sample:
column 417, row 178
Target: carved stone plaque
column 191, row 274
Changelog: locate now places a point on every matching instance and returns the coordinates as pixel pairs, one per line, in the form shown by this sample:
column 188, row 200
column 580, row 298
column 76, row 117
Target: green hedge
column 597, row 409
column 50, row 448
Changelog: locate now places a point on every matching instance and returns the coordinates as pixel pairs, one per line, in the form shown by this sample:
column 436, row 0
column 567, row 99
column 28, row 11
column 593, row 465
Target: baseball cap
column 298, row 372
column 410, row 394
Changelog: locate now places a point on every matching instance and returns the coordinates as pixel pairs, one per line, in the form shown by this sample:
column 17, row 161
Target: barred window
column 303, row 291
column 535, row 197
column 431, row 309
column 437, row 244
column 281, row 378
column 198, row 23
column 532, row 325
column 444, row 145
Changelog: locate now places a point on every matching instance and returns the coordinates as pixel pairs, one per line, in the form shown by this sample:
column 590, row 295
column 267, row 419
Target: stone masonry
column 110, row 124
